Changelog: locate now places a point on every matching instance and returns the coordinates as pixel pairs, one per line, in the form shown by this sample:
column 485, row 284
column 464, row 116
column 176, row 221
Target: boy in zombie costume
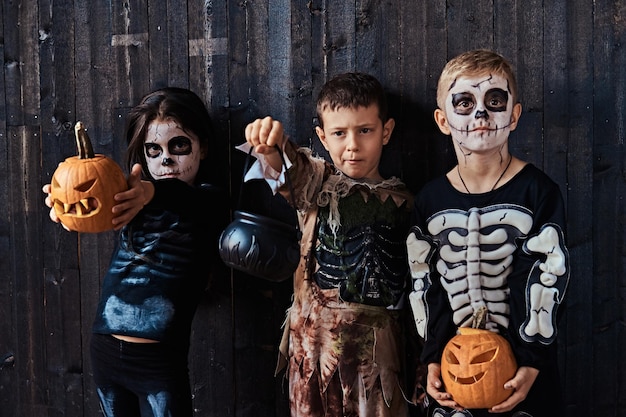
column 489, row 237
column 343, row 334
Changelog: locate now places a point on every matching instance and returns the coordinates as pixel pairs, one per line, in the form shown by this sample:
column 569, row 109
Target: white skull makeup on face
column 479, row 112
column 171, row 152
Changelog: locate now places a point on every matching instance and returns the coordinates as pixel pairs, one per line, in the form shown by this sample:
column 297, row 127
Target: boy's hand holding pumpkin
column 435, row 388
column 520, row 384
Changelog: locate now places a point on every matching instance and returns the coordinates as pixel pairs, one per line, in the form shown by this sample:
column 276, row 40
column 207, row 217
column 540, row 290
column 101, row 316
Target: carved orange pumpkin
column 83, row 186
column 474, row 367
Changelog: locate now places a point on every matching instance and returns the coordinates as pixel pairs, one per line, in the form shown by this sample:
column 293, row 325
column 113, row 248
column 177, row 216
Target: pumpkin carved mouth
column 83, row 208
column 466, row 380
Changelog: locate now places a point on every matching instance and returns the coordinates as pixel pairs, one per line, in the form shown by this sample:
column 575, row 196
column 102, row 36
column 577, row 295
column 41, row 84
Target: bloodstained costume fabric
column 343, row 339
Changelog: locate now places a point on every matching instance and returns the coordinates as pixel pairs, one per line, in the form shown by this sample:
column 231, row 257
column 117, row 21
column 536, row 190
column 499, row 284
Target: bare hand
column 131, row 201
column 264, row 134
column 435, row 389
column 48, row 201
column 520, row 384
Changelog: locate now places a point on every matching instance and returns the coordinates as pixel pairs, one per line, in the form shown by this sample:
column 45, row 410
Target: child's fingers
column 266, row 131
column 267, row 135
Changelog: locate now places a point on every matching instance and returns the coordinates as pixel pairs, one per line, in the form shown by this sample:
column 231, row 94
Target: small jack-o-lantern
column 83, row 186
column 474, row 367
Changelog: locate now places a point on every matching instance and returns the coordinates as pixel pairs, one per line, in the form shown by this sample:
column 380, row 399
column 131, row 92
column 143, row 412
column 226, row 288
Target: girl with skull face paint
column 488, row 237
column 164, row 256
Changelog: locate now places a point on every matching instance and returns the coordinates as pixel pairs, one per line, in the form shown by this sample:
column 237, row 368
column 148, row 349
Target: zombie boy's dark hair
column 352, row 90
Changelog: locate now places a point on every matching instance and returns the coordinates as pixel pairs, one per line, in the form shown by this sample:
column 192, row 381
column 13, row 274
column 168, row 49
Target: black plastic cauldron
column 260, row 246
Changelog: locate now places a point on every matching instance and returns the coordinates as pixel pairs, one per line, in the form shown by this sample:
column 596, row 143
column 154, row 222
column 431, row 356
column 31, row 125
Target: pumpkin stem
column 479, row 320
column 83, row 143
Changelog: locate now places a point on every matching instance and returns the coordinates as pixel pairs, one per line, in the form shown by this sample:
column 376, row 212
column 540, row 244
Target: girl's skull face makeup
column 479, row 111
column 171, row 152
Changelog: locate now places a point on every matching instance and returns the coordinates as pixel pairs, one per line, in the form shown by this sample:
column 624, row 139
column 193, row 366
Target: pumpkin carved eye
column 85, row 186
column 450, row 356
column 484, row 357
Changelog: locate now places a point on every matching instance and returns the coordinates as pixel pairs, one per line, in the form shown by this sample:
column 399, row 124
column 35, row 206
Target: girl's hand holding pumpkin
column 48, row 200
column 520, row 384
column 434, row 387
column 139, row 193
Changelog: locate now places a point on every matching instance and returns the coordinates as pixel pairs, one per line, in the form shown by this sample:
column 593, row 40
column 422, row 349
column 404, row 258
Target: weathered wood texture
column 92, row 60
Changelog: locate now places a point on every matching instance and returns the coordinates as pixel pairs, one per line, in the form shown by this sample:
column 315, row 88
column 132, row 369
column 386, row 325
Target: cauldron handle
column 287, row 180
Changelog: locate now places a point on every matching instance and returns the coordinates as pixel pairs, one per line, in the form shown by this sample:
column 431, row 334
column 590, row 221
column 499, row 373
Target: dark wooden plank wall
column 63, row 61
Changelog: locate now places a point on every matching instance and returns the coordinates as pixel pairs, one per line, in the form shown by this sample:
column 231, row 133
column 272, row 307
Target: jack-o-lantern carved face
column 474, row 367
column 82, row 190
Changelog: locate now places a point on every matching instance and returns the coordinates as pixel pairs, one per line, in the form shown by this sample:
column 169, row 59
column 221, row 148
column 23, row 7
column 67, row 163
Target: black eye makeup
column 463, row 103
column 153, row 150
column 496, row 99
column 179, row 145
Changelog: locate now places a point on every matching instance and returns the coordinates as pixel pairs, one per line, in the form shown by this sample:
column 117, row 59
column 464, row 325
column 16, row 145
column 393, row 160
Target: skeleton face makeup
column 479, row 112
column 171, row 152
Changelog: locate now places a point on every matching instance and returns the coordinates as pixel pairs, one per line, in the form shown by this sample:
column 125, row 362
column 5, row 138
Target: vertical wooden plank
column 251, row 97
column 340, row 38
column 609, row 95
column 211, row 355
column 318, row 45
column 178, row 42
column 97, row 89
column 26, row 273
column 158, row 41
column 439, row 155
column 62, row 320
column 8, row 338
column 412, row 103
column 302, row 99
column 279, row 81
column 130, row 50
column 23, row 136
column 575, row 169
column 526, row 55
column 167, row 44
column 469, row 25
column 208, row 47
column 513, row 22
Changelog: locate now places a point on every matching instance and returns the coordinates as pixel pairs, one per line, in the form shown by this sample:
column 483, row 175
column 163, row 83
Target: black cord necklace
column 458, row 170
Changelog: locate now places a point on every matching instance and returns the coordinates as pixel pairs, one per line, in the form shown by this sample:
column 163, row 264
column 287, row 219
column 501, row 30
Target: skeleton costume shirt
column 503, row 250
column 342, row 342
column 160, row 267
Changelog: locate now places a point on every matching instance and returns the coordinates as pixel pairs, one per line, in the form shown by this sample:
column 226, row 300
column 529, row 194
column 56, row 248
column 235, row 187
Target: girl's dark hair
column 352, row 90
column 169, row 103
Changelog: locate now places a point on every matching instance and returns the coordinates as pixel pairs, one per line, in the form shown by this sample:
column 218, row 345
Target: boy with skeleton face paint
column 489, row 237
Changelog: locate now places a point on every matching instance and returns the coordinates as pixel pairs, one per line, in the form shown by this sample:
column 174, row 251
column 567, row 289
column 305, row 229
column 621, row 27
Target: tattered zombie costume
column 503, row 250
column 343, row 345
